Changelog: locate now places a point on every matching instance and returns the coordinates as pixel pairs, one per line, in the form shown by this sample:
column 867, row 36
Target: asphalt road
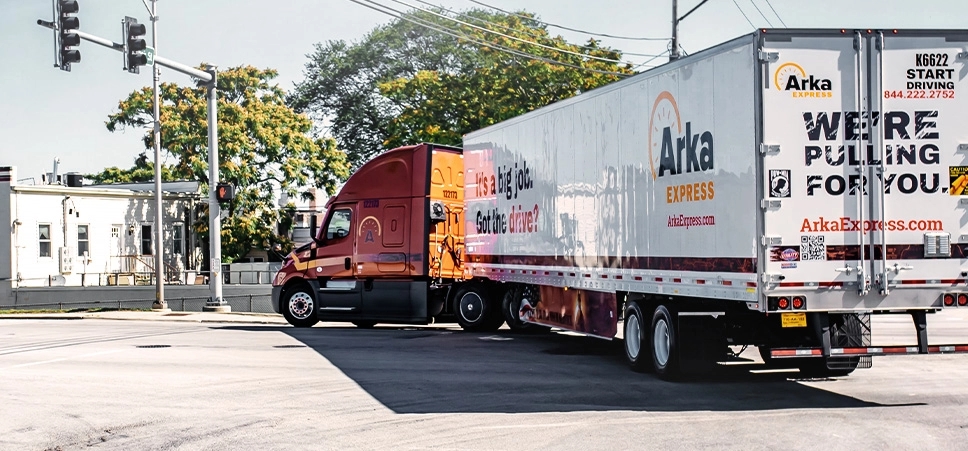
column 107, row 384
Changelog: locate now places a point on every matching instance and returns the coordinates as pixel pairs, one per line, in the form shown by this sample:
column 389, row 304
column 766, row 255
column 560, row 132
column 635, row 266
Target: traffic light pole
column 160, row 303
column 215, row 303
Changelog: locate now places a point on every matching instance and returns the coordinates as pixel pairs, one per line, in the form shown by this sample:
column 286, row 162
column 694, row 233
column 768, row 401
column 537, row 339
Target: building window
column 146, row 239
column 115, row 231
column 82, row 240
column 43, row 232
column 178, row 238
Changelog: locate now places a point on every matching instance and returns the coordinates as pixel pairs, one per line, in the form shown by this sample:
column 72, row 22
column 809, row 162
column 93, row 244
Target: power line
column 646, row 63
column 529, row 31
column 761, row 13
column 777, row 14
column 403, row 16
column 744, row 14
column 567, row 28
column 548, row 47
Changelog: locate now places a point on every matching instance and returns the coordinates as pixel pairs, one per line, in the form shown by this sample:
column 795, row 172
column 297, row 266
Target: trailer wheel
column 475, row 310
column 515, row 299
column 665, row 344
column 637, row 343
column 364, row 324
column 299, row 306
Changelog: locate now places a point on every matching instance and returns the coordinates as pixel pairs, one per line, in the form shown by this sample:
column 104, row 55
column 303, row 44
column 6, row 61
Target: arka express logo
column 675, row 148
column 792, row 78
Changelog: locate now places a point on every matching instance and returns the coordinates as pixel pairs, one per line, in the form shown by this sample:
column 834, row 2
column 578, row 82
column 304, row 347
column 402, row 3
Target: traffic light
column 224, row 192
column 67, row 24
column 134, row 45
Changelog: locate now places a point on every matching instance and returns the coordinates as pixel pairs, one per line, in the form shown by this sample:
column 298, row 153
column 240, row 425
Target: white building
column 93, row 235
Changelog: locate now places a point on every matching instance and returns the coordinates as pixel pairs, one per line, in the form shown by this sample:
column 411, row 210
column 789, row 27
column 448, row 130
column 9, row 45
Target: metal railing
column 147, row 278
column 255, row 303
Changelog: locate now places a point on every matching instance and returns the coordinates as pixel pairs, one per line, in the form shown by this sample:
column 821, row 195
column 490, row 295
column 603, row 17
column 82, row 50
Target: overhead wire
column 776, row 13
column 505, row 27
column 567, row 28
column 761, row 13
column 744, row 14
column 514, row 38
column 403, row 16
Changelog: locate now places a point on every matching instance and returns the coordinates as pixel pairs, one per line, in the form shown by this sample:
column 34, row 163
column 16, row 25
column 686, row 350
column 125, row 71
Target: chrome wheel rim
column 471, row 307
column 300, row 305
column 660, row 342
column 633, row 336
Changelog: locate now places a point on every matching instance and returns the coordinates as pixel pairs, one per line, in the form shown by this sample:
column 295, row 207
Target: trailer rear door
column 862, row 161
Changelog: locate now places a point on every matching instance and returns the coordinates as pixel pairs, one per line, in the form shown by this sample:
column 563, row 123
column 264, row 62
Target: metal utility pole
column 674, row 51
column 215, row 303
column 160, row 303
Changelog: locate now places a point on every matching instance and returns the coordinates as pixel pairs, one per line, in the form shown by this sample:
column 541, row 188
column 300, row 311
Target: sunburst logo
column 673, row 147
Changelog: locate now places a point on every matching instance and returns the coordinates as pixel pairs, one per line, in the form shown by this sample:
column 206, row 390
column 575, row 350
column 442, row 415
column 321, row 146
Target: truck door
column 382, row 261
column 339, row 291
column 814, row 161
column 921, row 159
column 865, row 163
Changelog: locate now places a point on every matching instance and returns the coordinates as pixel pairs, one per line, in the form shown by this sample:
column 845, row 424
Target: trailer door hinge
column 962, row 147
column 769, row 203
column 963, row 55
column 771, row 240
column 769, row 148
column 769, row 57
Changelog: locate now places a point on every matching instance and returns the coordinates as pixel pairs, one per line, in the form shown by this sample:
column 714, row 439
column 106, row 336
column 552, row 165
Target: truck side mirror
column 437, row 212
column 313, row 226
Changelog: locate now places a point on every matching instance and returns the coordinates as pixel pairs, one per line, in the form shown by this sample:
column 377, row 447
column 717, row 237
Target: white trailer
column 775, row 190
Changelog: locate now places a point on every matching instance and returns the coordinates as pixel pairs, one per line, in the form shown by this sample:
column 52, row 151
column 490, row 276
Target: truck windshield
column 339, row 224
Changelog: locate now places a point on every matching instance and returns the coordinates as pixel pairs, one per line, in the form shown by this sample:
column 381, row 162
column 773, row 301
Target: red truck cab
column 390, row 246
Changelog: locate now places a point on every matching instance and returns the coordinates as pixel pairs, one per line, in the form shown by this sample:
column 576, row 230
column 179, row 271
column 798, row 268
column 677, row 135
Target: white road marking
column 22, row 365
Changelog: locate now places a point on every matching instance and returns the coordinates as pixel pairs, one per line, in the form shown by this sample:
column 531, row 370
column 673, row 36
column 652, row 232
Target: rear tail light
column 783, row 303
column 949, row 300
column 798, row 302
column 962, row 299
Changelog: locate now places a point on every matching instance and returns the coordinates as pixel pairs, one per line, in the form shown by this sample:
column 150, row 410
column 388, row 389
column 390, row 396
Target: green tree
column 404, row 83
column 264, row 148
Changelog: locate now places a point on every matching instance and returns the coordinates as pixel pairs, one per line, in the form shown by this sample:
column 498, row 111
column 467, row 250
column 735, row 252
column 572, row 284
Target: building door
column 114, row 249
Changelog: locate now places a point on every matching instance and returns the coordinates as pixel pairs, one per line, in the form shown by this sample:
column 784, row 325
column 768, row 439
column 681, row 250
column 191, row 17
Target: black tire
column 665, row 344
column 638, row 345
column 364, row 324
column 475, row 309
column 510, row 308
column 299, row 306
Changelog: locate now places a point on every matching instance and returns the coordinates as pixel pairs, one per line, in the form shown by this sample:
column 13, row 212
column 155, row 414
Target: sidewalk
column 195, row 317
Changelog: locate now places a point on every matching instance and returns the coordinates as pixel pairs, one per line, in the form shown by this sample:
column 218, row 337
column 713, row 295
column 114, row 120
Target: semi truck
column 776, row 190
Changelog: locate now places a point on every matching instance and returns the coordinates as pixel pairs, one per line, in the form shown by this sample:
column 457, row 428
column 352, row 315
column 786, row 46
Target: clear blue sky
column 47, row 113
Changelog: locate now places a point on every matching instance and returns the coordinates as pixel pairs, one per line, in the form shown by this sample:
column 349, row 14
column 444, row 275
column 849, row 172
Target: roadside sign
column 150, row 53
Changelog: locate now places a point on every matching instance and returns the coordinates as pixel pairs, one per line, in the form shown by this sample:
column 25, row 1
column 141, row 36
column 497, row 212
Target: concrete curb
column 219, row 318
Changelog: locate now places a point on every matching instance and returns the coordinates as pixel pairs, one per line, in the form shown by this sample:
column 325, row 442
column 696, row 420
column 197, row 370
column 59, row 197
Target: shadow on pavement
column 432, row 370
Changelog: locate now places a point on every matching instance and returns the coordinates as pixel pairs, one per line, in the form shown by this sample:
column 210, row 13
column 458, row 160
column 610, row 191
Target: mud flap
column 702, row 342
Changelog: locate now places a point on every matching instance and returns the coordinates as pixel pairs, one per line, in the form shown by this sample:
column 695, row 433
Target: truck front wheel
column 299, row 306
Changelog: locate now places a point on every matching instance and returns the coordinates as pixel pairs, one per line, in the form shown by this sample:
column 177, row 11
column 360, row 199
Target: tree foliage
column 404, row 83
column 264, row 147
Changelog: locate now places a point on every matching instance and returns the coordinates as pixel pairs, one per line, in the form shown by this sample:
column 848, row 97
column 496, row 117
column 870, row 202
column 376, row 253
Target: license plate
column 793, row 319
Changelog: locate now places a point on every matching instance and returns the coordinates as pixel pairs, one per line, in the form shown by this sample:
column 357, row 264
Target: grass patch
column 73, row 310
